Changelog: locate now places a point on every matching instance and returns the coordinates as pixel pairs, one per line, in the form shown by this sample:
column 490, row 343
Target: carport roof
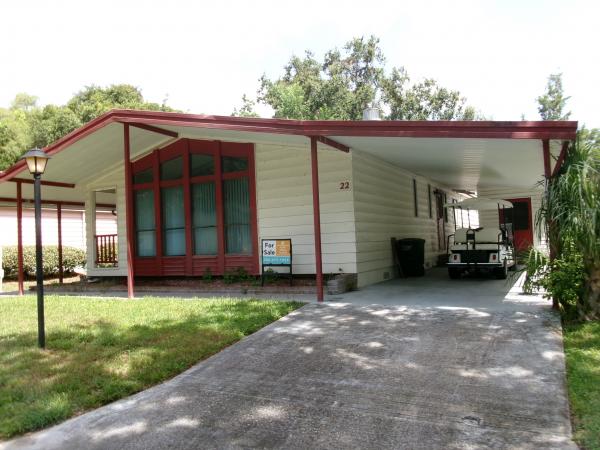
column 460, row 154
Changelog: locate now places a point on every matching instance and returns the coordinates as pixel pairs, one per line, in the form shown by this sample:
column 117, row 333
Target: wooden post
column 19, row 238
column 128, row 210
column 60, row 246
column 316, row 217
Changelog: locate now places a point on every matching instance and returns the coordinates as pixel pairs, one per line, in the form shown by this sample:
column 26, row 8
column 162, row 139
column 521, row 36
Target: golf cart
column 480, row 249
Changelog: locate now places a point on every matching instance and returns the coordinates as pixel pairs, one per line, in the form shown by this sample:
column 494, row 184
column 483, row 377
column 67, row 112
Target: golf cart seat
column 460, row 235
column 488, row 236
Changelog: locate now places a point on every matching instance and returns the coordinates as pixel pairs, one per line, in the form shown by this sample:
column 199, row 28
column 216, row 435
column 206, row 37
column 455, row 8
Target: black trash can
column 411, row 256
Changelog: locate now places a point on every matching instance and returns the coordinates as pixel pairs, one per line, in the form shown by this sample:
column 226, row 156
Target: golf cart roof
column 481, row 204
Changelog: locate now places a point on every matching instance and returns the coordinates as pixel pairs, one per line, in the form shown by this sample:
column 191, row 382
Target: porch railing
column 106, row 249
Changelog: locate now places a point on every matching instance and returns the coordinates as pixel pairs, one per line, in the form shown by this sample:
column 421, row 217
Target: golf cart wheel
column 501, row 272
column 454, row 273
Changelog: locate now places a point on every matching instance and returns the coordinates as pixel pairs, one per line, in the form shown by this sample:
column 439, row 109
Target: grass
column 582, row 349
column 100, row 350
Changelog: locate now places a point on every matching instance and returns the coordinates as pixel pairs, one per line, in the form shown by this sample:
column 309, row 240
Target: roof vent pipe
column 371, row 113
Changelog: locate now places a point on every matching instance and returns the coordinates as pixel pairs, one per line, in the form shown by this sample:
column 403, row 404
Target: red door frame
column 190, row 264
column 524, row 235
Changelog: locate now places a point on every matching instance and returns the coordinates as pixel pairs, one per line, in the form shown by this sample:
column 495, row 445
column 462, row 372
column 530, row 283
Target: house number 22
column 344, row 185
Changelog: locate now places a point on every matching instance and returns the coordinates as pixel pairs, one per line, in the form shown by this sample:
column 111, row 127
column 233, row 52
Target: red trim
column 20, row 239
column 169, row 133
column 157, row 211
column 187, row 208
column 316, row 217
column 44, row 183
column 129, row 214
column 60, row 245
column 334, row 144
column 220, row 212
column 561, row 157
column 390, row 128
column 253, row 210
column 546, row 151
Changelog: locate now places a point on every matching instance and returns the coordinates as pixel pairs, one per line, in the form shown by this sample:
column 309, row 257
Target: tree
column 94, row 101
column 51, row 123
column 571, row 215
column 347, row 81
column 552, row 103
column 247, row 108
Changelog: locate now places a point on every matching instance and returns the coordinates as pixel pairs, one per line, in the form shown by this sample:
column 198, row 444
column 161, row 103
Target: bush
column 72, row 258
column 562, row 279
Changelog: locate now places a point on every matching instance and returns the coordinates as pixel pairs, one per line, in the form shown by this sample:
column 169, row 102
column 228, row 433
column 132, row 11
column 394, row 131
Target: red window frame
column 190, row 264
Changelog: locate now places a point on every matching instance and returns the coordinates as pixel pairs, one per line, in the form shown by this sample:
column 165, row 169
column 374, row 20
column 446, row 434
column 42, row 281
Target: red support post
column 128, row 210
column 60, row 245
column 19, row 239
column 316, row 217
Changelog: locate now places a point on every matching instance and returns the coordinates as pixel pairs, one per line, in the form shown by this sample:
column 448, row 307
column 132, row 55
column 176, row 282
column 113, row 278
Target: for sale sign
column 277, row 252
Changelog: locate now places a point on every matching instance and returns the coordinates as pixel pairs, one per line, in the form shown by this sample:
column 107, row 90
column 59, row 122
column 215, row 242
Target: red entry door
column 519, row 221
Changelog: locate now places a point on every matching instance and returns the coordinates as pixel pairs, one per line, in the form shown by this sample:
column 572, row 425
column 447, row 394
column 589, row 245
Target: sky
column 203, row 56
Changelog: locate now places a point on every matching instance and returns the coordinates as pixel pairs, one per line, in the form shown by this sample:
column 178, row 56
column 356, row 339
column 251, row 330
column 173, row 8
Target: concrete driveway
column 481, row 372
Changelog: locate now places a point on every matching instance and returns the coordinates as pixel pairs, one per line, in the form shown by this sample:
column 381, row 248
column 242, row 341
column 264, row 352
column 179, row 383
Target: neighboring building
column 204, row 190
column 73, row 226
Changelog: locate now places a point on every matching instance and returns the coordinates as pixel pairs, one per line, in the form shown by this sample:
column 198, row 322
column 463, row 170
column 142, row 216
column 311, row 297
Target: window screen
column 173, row 217
column 236, row 200
column 204, row 219
column 145, row 223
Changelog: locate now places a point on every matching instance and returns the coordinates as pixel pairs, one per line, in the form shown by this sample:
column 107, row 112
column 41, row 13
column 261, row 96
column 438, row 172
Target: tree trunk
column 593, row 294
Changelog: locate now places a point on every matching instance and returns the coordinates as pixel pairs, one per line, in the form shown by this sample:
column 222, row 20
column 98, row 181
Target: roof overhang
column 460, row 154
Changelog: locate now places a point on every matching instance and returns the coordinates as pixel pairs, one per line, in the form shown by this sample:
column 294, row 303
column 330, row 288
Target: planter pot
column 341, row 283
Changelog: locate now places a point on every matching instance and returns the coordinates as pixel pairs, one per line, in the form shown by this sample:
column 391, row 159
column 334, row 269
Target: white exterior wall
column 490, row 218
column 114, row 180
column 384, row 208
column 73, row 227
column 285, row 205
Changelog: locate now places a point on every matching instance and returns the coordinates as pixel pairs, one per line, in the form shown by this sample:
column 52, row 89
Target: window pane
column 146, row 243
column 237, row 216
column 144, row 223
column 173, row 217
column 174, row 242
column 233, row 164
column 204, row 219
column 205, row 241
column 201, row 165
column 145, row 176
column 171, row 169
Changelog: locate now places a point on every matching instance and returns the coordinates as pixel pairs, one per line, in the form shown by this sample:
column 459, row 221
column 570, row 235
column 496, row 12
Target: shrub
column 72, row 258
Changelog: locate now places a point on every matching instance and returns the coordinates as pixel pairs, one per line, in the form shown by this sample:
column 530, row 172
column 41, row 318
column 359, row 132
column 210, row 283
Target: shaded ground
column 351, row 376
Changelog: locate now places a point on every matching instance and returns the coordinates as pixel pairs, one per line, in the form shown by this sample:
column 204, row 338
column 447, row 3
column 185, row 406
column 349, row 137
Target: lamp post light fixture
column 36, row 160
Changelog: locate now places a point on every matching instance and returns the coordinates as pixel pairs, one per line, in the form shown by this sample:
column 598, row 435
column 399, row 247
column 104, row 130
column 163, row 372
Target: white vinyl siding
column 285, row 205
column 384, row 208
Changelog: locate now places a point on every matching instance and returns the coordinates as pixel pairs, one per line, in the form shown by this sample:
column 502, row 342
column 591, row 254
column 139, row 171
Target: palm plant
column 570, row 215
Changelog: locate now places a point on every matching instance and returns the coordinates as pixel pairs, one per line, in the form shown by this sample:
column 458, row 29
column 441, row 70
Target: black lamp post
column 36, row 162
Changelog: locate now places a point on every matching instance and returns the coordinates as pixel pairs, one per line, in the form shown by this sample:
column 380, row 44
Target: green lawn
column 582, row 349
column 99, row 350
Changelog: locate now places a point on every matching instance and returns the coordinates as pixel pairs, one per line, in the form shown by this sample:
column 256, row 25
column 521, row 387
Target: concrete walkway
column 442, row 376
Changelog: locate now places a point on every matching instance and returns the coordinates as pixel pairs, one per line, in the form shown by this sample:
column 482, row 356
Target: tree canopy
column 551, row 105
column 25, row 124
column 349, row 80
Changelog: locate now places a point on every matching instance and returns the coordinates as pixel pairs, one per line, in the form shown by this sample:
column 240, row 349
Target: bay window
column 204, row 193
